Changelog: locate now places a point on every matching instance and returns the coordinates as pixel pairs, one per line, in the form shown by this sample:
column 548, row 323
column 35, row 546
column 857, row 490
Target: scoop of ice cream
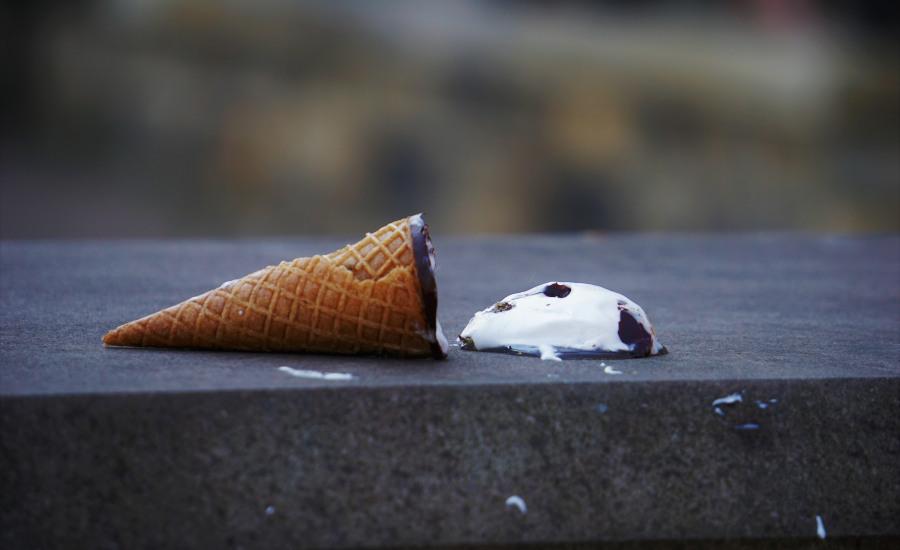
column 563, row 321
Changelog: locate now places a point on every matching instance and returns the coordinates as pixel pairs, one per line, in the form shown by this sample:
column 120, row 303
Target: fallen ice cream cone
column 377, row 296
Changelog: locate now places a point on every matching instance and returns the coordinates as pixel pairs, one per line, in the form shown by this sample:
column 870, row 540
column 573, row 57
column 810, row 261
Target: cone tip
column 112, row 338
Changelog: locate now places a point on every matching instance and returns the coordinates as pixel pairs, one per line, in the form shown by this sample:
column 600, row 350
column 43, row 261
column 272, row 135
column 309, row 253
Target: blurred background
column 162, row 118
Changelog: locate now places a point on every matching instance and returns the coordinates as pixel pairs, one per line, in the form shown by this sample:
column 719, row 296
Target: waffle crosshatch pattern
column 363, row 298
column 378, row 253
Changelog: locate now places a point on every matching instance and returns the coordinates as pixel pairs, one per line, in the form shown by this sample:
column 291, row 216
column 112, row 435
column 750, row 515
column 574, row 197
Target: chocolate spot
column 467, row 343
column 501, row 306
column 557, row 290
column 634, row 335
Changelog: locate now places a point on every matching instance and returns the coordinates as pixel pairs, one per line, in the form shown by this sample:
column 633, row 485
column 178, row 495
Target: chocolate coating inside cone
column 423, row 251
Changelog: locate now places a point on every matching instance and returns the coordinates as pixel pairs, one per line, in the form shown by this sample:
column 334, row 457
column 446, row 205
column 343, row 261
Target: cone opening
column 423, row 250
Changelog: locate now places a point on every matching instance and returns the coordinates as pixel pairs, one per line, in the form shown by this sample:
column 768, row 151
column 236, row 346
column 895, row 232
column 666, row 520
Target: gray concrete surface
column 148, row 448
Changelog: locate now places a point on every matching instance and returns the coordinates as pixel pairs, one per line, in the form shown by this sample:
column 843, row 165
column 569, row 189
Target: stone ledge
column 339, row 467
column 136, row 448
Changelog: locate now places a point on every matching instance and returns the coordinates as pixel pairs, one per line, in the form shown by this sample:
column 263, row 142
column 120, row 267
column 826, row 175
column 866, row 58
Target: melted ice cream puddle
column 556, row 321
column 548, row 353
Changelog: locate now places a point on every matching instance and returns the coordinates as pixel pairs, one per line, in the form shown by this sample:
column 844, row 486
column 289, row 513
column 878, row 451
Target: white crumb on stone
column 270, row 510
column 338, row 376
column 609, row 370
column 728, row 399
column 820, row 527
column 517, row 502
column 548, row 353
column 316, row 374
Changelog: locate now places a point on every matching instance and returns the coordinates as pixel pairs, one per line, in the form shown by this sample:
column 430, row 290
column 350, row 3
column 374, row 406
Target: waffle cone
column 377, row 296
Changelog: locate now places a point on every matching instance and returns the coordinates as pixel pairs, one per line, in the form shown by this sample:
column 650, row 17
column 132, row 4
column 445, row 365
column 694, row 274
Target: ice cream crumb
column 316, row 374
column 516, row 501
column 270, row 510
column 728, row 400
column 609, row 370
column 820, row 526
column 548, row 353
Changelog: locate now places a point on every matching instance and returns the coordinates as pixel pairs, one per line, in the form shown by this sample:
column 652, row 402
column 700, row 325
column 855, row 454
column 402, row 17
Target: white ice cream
column 553, row 320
